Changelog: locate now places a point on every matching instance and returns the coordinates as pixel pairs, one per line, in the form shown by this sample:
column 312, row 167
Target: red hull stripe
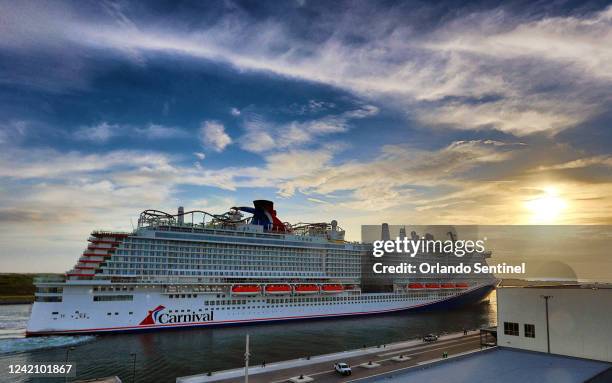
column 191, row 324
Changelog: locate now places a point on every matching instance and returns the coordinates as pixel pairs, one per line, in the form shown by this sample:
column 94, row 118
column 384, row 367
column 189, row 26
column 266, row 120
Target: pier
column 365, row 362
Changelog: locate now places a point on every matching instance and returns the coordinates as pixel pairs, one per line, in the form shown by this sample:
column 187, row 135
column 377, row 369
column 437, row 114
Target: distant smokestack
column 385, row 235
column 181, row 217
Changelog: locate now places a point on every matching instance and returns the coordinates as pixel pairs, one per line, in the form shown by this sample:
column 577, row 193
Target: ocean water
column 162, row 356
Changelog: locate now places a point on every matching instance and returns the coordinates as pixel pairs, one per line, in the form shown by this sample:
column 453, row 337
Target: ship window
column 529, row 330
column 511, row 328
column 48, row 299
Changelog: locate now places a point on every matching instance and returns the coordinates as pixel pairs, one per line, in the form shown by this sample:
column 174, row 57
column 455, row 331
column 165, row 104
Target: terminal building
column 572, row 320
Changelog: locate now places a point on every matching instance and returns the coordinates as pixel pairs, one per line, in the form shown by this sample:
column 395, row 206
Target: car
column 430, row 338
column 342, row 368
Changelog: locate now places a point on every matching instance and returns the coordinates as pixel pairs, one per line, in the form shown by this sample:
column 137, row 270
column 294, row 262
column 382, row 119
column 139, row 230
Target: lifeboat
column 332, row 289
column 306, row 289
column 462, row 285
column 415, row 286
column 246, row 290
column 278, row 289
column 432, row 285
column 448, row 285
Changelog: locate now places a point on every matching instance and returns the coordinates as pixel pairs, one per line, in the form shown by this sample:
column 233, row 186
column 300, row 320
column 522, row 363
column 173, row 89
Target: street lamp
column 67, row 352
column 247, row 354
column 133, row 355
column 546, row 298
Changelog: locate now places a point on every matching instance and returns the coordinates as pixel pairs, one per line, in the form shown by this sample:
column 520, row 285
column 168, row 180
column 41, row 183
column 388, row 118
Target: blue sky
column 364, row 112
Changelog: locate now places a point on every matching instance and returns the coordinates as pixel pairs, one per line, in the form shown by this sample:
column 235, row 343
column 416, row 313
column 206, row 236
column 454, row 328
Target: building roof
column 568, row 285
column 502, row 365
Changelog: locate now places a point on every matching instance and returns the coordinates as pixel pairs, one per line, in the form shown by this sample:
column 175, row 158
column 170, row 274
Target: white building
column 579, row 322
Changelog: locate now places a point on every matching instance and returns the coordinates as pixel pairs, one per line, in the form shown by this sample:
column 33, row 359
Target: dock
column 365, row 362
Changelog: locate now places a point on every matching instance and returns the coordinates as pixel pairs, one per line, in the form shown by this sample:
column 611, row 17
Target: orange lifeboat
column 332, row 289
column 415, row 286
column 432, row 285
column 462, row 285
column 448, row 285
column 246, row 290
column 278, row 289
column 306, row 289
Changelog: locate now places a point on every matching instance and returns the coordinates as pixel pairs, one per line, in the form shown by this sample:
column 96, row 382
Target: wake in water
column 13, row 321
column 17, row 345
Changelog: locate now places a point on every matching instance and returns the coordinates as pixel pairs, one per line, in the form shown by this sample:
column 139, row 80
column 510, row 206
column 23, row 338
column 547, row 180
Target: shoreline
column 26, row 300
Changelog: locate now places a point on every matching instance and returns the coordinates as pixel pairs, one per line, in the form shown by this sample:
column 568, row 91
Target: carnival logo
column 151, row 318
column 155, row 316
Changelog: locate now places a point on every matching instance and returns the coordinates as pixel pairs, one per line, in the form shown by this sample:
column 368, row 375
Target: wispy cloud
column 261, row 135
column 378, row 184
column 156, row 131
column 437, row 74
column 603, row 160
column 13, row 131
column 100, row 133
column 104, row 131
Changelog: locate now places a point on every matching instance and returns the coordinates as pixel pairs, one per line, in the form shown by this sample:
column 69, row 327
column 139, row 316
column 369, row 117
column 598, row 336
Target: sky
column 361, row 111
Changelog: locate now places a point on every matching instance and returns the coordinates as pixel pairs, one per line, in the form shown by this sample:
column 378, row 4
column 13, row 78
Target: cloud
column 51, row 164
column 603, row 160
column 13, row 131
column 235, row 112
column 318, row 201
column 478, row 70
column 156, row 131
column 577, row 41
column 213, row 135
column 99, row 133
column 104, row 131
column 261, row 135
column 379, row 183
column 200, row 155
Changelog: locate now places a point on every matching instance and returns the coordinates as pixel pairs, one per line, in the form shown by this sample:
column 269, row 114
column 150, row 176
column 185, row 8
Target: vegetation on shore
column 17, row 288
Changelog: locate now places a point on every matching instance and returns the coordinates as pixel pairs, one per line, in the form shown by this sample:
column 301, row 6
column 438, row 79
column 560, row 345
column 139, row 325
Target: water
column 162, row 356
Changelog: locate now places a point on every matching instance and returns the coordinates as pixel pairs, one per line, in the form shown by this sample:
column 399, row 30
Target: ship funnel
column 263, row 204
column 181, row 215
column 265, row 215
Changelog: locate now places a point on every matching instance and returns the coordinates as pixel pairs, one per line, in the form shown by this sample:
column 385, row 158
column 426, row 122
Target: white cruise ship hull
column 153, row 310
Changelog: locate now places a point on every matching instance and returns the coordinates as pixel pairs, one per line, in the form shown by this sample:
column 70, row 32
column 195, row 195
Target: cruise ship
column 195, row 269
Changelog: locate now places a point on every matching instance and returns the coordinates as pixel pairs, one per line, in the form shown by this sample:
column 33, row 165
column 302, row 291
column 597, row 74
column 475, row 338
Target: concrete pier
column 384, row 358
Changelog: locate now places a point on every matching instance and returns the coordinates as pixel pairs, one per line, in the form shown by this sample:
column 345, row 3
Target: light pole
column 67, row 352
column 247, row 354
column 133, row 354
column 546, row 298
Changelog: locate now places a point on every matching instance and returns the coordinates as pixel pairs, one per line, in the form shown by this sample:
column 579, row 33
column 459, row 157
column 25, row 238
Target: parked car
column 342, row 368
column 430, row 338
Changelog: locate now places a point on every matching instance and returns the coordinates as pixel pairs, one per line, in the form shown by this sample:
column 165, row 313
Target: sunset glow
column 546, row 209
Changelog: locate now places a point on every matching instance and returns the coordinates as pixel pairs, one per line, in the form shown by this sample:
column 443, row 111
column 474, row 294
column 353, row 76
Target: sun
column 546, row 208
